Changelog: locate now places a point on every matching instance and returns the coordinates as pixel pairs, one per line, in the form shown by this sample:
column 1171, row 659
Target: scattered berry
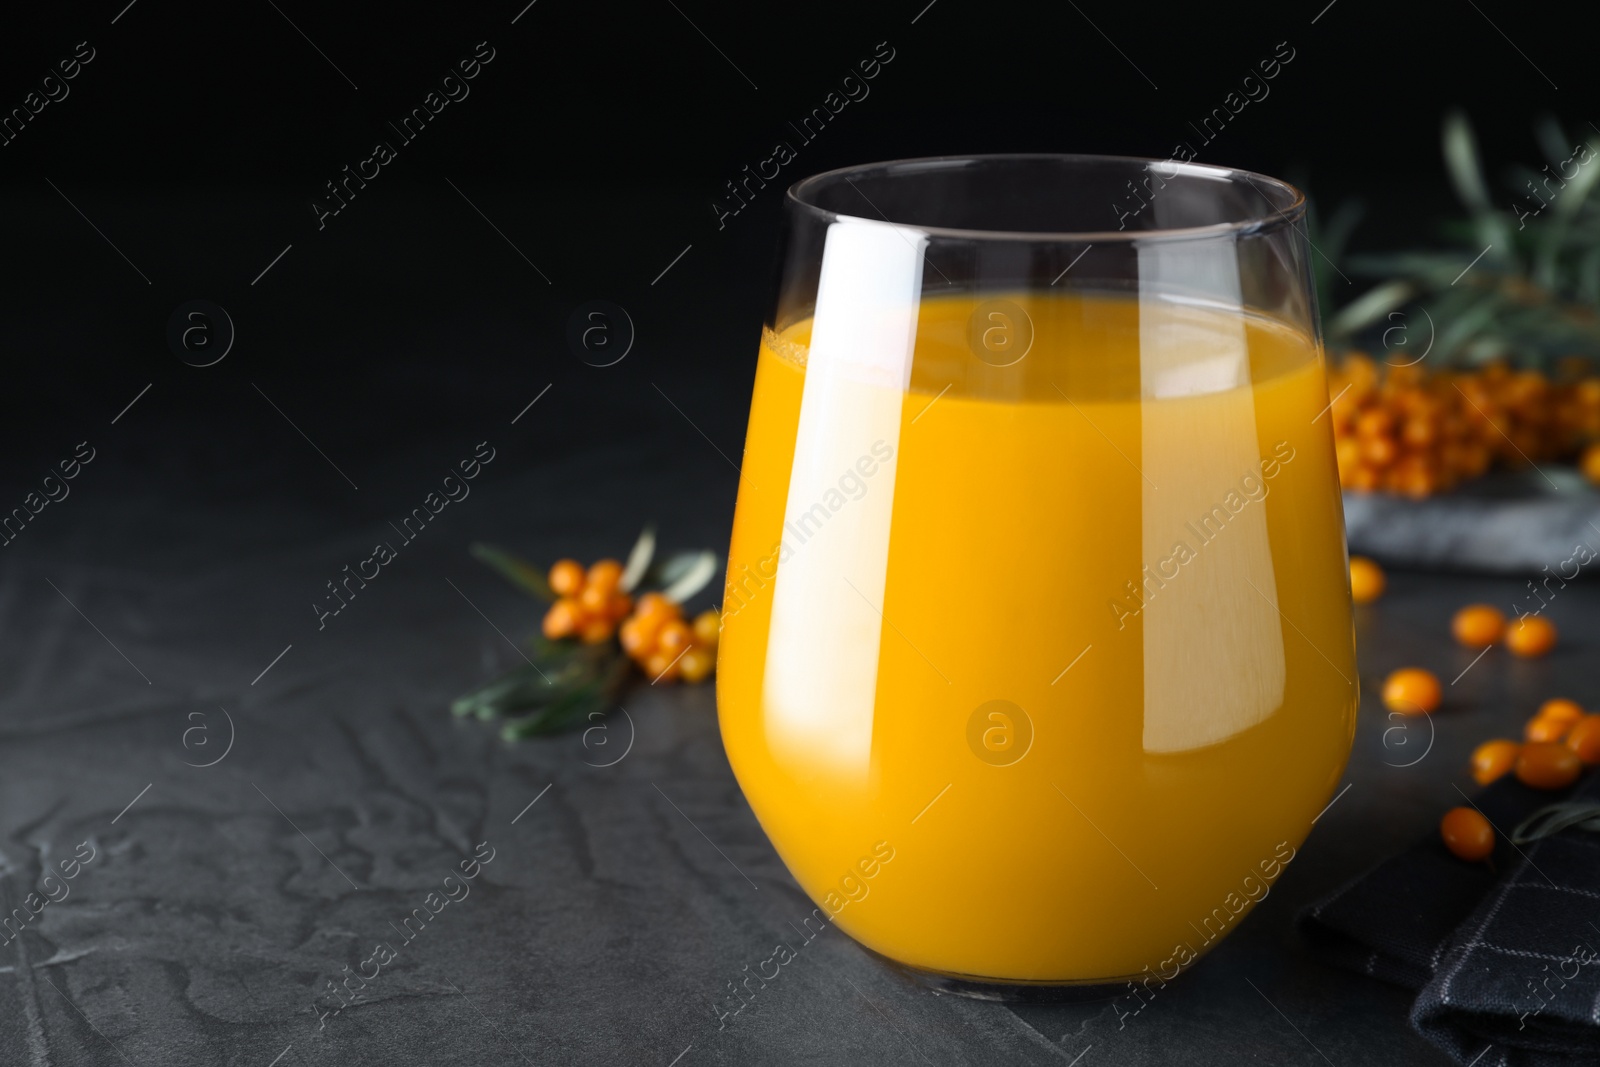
column 1584, row 739
column 1366, row 580
column 1477, row 625
column 1467, row 834
column 1545, row 728
column 1494, row 759
column 1531, row 636
column 1412, row 691
column 1547, row 765
column 1567, row 711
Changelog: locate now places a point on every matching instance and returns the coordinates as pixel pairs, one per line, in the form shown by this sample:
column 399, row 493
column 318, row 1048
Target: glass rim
column 1267, row 221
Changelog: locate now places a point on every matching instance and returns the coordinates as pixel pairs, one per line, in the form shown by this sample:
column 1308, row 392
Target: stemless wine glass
column 1037, row 656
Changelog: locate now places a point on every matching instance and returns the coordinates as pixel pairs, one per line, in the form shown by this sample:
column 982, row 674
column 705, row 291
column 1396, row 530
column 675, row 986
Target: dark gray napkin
column 1505, row 961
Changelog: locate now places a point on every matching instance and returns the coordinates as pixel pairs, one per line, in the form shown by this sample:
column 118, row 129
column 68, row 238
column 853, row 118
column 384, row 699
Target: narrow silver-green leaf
column 688, row 573
column 644, row 549
column 1370, row 307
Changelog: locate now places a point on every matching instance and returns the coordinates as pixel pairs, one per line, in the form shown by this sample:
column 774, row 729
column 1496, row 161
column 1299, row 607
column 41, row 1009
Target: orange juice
column 1063, row 634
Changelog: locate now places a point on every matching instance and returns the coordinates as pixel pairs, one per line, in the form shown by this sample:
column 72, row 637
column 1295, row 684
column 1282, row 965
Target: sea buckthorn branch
column 594, row 633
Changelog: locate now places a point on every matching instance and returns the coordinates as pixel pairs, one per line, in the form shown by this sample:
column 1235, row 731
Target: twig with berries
column 595, row 632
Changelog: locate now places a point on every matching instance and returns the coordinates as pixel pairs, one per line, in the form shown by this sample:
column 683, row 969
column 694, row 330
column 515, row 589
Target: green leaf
column 1458, row 330
column 573, row 706
column 686, row 573
column 1554, row 818
column 639, row 558
column 1564, row 210
column 518, row 570
column 1370, row 307
column 1589, row 276
column 1552, row 139
column 566, row 711
column 522, row 687
column 1461, row 161
column 1462, row 164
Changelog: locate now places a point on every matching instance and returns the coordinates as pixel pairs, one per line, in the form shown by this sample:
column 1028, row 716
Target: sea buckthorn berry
column 1477, row 625
column 1546, row 765
column 620, row 608
column 1568, row 711
column 1366, row 580
column 563, row 619
column 593, row 631
column 566, row 577
column 595, row 599
column 1347, row 454
column 1493, row 759
column 1531, row 636
column 696, row 664
column 707, row 628
column 1364, row 479
column 658, row 606
column 1467, row 834
column 1379, row 451
column 661, row 667
column 639, row 635
column 1374, row 422
column 1584, row 739
column 675, row 636
column 606, row 574
column 1589, row 463
column 1546, row 728
column 1411, row 691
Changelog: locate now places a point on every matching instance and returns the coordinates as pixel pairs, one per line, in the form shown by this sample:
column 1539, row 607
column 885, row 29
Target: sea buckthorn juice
column 1043, row 596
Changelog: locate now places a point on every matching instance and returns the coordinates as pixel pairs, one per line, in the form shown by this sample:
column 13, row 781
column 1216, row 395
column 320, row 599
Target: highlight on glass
column 1037, row 658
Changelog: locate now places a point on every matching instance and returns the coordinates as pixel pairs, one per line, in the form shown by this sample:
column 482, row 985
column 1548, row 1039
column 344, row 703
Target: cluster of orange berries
column 1416, row 432
column 1558, row 742
column 665, row 646
column 589, row 604
column 592, row 606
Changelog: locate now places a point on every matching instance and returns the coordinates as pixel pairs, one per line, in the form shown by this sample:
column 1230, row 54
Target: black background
column 597, row 141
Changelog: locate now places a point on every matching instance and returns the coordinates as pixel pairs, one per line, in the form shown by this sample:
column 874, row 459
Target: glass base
column 1008, row 991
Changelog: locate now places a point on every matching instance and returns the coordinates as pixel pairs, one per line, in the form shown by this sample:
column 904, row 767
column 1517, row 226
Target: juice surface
column 1039, row 672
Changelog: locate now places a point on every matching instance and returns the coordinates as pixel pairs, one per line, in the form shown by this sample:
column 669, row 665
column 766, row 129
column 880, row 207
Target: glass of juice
column 1037, row 658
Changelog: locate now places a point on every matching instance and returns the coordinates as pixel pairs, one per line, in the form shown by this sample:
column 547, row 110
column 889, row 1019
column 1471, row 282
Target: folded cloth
column 1504, row 965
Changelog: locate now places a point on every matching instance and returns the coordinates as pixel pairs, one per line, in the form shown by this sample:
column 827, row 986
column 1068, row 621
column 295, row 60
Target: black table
column 224, row 898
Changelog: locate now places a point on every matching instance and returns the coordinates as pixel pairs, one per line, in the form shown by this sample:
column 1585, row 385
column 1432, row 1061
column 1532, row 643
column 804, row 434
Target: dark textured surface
column 612, row 915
